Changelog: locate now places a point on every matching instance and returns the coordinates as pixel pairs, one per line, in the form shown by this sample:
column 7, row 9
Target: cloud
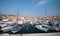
column 42, row 2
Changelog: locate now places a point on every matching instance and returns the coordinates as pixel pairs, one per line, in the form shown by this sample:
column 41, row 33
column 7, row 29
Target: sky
column 30, row 8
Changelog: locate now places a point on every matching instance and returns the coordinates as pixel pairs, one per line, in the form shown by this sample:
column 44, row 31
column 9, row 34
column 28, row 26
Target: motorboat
column 16, row 28
column 2, row 24
column 56, row 25
column 7, row 28
column 42, row 28
column 20, row 22
column 5, row 20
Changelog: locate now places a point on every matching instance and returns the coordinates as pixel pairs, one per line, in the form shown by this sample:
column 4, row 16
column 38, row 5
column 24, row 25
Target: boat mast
column 0, row 13
column 45, row 13
column 17, row 14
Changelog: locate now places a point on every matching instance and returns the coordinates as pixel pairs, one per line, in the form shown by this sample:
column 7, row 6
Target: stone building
column 13, row 17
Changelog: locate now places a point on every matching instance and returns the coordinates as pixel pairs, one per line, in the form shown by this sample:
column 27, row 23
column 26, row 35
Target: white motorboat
column 5, row 20
column 20, row 22
column 2, row 24
column 42, row 27
column 6, row 29
column 16, row 28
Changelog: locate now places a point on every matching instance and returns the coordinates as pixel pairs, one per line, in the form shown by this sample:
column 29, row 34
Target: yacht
column 42, row 28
